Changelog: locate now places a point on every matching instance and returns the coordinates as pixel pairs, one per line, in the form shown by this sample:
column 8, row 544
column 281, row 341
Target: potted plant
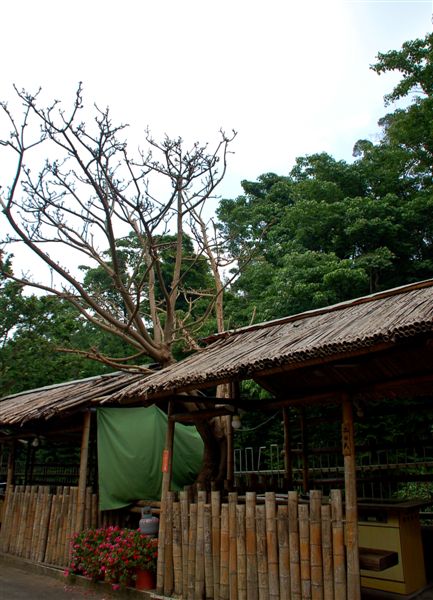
column 115, row 555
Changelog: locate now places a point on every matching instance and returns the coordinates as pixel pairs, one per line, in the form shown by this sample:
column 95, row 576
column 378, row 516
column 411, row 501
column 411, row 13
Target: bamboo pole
column 352, row 543
column 82, row 480
column 295, row 560
column 208, row 562
column 241, row 552
column 216, row 540
column 304, row 550
column 316, row 544
column 45, row 519
column 191, row 549
column 23, row 522
column 328, row 568
column 262, row 562
column 272, row 545
column 177, row 549
column 233, row 561
column 251, row 545
column 339, row 558
column 283, row 552
column 199, row 553
column 95, row 511
column 183, row 499
column 6, row 518
column 167, row 465
column 88, row 509
column 224, row 554
column 168, row 552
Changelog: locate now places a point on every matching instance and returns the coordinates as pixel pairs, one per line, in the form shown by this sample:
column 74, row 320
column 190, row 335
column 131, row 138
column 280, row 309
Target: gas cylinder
column 149, row 524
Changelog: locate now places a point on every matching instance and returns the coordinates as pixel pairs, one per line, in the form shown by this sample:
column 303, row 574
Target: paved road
column 20, row 581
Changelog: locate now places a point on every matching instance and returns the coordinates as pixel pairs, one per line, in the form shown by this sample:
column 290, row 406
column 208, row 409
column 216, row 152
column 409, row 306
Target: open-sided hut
column 358, row 351
column 217, row 545
column 67, row 481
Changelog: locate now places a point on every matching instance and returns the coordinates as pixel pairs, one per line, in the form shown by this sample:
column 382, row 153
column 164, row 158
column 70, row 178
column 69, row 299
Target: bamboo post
column 251, row 545
column 177, row 549
column 233, row 561
column 224, row 554
column 199, row 553
column 183, row 500
column 167, row 465
column 262, row 562
column 168, row 546
column 338, row 550
column 216, row 540
column 316, row 544
column 328, row 568
column 304, row 548
column 283, row 552
column 208, row 562
column 351, row 501
column 295, row 560
column 6, row 519
column 191, row 549
column 241, row 552
column 272, row 545
column 288, row 467
column 45, row 520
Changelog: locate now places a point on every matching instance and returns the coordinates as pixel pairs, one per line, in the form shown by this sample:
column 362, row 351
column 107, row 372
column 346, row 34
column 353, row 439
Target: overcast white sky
column 292, row 77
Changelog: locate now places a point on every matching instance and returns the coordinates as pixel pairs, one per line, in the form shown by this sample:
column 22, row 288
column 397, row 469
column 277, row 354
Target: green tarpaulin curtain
column 130, row 445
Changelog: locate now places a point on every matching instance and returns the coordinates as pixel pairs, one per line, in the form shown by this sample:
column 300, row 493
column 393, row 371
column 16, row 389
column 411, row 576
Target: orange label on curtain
column 165, row 457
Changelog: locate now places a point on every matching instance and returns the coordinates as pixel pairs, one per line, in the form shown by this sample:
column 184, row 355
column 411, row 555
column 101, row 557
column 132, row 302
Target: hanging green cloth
column 130, row 445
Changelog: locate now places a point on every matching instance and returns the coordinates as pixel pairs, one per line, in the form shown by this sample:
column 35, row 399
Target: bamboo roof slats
column 47, row 402
column 375, row 322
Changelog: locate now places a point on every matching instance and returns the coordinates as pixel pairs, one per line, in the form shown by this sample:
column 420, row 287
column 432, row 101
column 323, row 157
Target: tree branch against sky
column 78, row 191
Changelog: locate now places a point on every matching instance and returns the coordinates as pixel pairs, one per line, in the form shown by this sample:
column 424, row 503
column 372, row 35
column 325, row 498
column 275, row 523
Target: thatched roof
column 61, row 399
column 382, row 337
column 361, row 327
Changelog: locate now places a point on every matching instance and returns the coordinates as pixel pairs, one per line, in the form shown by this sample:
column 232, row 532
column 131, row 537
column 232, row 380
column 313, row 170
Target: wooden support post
column 234, row 392
column 351, row 504
column 167, row 466
column 230, row 452
column 11, row 466
column 82, row 480
column 288, row 471
column 304, row 440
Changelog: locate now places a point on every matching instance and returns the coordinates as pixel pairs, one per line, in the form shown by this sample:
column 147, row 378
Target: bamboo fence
column 38, row 525
column 254, row 548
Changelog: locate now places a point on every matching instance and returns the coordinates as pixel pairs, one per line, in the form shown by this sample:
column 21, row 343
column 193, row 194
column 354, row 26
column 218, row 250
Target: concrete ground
column 24, row 580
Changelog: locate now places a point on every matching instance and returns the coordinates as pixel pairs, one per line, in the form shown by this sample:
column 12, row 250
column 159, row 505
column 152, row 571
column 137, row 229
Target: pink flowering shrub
column 113, row 554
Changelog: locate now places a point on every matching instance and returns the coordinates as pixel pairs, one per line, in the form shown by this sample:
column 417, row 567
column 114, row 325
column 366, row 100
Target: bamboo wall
column 252, row 548
column 38, row 524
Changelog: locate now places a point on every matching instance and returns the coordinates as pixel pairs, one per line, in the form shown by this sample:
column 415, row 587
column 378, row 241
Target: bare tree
column 88, row 196
column 91, row 199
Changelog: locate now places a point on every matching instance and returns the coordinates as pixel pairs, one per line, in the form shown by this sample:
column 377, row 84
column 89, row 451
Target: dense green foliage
column 327, row 231
column 332, row 230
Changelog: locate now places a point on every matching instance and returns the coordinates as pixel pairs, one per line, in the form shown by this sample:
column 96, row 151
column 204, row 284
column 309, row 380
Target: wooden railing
column 253, row 548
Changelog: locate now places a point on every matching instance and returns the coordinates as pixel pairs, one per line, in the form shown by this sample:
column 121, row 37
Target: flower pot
column 145, row 580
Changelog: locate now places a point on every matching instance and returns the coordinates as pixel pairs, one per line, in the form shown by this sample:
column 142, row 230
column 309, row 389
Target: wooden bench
column 372, row 559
